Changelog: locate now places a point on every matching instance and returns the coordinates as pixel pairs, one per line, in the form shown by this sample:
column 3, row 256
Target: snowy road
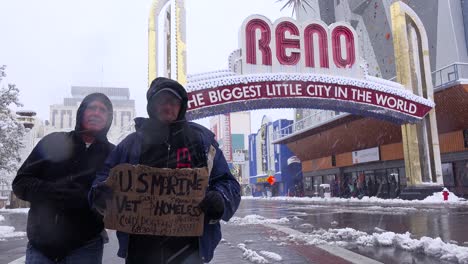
column 445, row 221
column 387, row 231
column 289, row 230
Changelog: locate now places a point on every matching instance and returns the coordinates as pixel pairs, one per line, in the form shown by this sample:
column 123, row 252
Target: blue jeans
column 90, row 253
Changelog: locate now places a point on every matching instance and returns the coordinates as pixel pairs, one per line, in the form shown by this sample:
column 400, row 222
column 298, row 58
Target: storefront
column 312, row 183
column 263, row 188
column 384, row 179
column 267, row 159
column 364, row 156
column 455, row 172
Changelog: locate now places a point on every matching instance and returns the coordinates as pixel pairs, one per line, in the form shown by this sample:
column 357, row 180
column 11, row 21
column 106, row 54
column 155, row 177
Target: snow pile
column 271, row 255
column 256, row 220
column 437, row 197
column 8, row 232
column 251, row 255
column 16, row 210
column 377, row 229
column 433, row 247
column 322, row 236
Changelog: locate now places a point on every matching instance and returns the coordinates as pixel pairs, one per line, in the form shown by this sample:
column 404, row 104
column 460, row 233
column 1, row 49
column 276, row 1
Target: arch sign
column 286, row 64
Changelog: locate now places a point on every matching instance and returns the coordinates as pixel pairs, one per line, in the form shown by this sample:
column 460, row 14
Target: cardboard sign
column 156, row 201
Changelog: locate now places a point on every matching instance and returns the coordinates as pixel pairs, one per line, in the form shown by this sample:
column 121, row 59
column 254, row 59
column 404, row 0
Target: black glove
column 101, row 193
column 65, row 194
column 213, row 205
column 53, row 190
column 76, row 196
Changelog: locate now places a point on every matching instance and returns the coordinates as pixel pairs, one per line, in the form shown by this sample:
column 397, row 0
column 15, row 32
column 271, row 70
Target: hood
column 162, row 83
column 86, row 101
column 139, row 121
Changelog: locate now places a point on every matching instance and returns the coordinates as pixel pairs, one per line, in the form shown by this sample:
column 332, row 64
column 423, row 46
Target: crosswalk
column 21, row 260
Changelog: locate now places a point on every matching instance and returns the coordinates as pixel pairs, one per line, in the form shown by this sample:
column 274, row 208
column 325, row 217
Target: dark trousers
column 144, row 249
column 90, row 253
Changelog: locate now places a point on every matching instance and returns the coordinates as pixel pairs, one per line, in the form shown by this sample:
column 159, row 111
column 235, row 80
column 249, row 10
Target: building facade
column 232, row 131
column 267, row 159
column 364, row 156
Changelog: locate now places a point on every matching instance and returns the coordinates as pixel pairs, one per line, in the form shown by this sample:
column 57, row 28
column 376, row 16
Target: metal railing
column 446, row 76
column 441, row 78
column 316, row 119
column 450, row 74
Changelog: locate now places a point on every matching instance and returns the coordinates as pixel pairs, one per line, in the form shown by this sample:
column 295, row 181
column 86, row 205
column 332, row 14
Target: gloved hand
column 76, row 196
column 213, row 205
column 65, row 194
column 101, row 193
column 55, row 191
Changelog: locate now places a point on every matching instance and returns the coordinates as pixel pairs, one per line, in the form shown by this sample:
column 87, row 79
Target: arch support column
column 166, row 41
column 420, row 141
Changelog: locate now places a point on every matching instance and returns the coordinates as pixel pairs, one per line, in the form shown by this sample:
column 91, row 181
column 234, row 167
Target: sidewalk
column 258, row 239
column 273, row 239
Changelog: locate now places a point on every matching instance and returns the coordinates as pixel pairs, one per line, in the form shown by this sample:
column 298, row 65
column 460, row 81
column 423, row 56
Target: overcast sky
column 50, row 45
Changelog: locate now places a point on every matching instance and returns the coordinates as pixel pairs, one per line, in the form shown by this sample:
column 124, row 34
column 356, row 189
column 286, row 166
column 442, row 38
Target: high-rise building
column 272, row 160
column 232, row 131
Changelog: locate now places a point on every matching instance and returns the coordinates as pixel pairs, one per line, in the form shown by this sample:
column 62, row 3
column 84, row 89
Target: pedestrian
column 353, row 188
column 156, row 143
column 338, row 187
column 393, row 186
column 56, row 179
column 370, row 187
column 360, row 183
column 335, row 188
column 346, row 190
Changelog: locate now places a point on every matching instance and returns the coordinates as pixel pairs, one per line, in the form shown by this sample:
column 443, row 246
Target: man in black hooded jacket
column 56, row 178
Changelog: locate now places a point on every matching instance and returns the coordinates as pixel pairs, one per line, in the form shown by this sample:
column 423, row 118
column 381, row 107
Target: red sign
column 271, row 179
column 335, row 94
column 287, row 42
column 290, row 64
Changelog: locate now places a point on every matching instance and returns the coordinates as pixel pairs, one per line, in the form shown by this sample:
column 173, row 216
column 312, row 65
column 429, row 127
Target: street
column 301, row 231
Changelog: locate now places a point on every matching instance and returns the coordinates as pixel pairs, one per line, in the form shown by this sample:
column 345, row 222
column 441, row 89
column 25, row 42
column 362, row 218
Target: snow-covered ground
column 435, row 198
column 17, row 210
column 258, row 257
column 433, row 247
column 8, row 231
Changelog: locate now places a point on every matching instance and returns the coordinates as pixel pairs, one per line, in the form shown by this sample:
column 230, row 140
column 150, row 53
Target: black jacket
column 61, row 165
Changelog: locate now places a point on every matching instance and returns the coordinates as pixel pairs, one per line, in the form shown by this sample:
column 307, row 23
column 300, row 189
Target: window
column 308, row 183
column 461, row 170
column 447, row 173
column 329, row 178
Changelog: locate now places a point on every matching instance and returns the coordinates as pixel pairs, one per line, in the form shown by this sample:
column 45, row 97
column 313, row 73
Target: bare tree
column 11, row 131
